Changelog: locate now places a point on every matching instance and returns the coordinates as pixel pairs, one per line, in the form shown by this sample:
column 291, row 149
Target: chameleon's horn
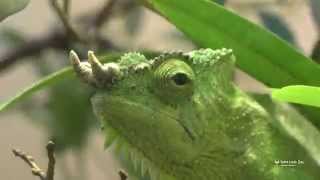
column 106, row 74
column 96, row 66
column 82, row 69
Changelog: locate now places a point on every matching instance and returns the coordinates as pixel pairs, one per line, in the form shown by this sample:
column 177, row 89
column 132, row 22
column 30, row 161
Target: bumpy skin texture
column 182, row 118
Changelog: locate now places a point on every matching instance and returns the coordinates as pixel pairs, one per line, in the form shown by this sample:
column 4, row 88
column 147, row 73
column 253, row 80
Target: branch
column 33, row 47
column 36, row 170
column 51, row 162
column 66, row 7
column 54, row 40
column 30, row 161
column 104, row 14
column 61, row 39
column 123, row 175
column 63, row 16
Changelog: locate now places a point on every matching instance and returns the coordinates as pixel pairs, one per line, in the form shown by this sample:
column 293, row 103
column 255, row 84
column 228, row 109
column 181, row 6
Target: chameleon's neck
column 239, row 138
column 243, row 143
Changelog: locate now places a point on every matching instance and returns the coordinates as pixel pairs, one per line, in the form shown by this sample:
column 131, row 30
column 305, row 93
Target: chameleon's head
column 161, row 107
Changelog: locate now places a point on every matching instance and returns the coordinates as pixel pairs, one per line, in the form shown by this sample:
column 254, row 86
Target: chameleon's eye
column 174, row 79
column 180, row 79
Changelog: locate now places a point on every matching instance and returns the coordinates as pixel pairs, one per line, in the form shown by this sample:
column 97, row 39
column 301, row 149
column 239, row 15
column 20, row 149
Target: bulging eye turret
column 174, row 79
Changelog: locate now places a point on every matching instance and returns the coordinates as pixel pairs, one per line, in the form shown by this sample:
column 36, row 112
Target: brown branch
column 32, row 48
column 59, row 39
column 66, row 7
column 51, row 162
column 49, row 175
column 54, row 40
column 123, row 175
column 30, row 161
column 36, row 170
column 104, row 14
column 65, row 20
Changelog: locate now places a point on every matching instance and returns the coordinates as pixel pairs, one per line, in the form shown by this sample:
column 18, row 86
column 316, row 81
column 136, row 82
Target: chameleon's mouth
column 122, row 114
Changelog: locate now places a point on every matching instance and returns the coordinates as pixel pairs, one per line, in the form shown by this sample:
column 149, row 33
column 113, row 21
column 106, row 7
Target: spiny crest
column 134, row 63
column 209, row 56
column 203, row 57
column 132, row 59
column 168, row 55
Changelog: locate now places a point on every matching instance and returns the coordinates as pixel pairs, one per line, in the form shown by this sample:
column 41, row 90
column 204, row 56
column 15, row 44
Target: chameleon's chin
column 147, row 128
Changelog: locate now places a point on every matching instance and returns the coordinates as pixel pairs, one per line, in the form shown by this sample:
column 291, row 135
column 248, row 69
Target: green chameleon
column 180, row 117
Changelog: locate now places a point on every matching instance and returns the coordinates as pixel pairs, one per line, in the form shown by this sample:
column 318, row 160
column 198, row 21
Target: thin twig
column 51, row 162
column 66, row 7
column 65, row 20
column 56, row 40
column 32, row 48
column 104, row 14
column 30, row 161
column 60, row 40
column 123, row 175
column 36, row 170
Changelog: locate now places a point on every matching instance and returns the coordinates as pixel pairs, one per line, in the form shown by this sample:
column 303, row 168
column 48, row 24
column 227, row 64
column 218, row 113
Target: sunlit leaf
column 307, row 95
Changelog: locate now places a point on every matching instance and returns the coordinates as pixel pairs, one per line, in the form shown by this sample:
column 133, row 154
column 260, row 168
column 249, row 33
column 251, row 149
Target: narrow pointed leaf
column 307, row 95
column 46, row 81
column 259, row 52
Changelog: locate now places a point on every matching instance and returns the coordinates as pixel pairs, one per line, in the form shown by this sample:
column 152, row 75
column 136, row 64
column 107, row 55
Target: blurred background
column 35, row 42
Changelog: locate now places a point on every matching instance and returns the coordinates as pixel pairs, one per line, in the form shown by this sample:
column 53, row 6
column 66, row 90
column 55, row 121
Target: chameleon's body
column 183, row 118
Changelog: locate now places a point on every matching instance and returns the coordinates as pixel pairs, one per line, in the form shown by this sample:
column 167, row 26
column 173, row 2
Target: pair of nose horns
column 94, row 72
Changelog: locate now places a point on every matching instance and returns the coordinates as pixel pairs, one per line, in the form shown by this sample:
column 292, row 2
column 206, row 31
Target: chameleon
column 179, row 116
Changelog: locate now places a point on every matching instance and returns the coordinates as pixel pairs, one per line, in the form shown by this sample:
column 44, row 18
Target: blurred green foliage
column 66, row 109
column 9, row 7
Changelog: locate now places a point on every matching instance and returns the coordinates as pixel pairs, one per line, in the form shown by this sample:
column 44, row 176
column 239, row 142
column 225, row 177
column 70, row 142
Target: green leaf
column 45, row 82
column 9, row 7
column 307, row 95
column 259, row 52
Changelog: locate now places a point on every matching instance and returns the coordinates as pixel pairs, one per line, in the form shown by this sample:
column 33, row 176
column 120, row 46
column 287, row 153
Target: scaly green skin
column 183, row 118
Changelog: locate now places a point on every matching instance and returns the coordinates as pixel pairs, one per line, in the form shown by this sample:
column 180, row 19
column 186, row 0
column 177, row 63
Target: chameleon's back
column 180, row 116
